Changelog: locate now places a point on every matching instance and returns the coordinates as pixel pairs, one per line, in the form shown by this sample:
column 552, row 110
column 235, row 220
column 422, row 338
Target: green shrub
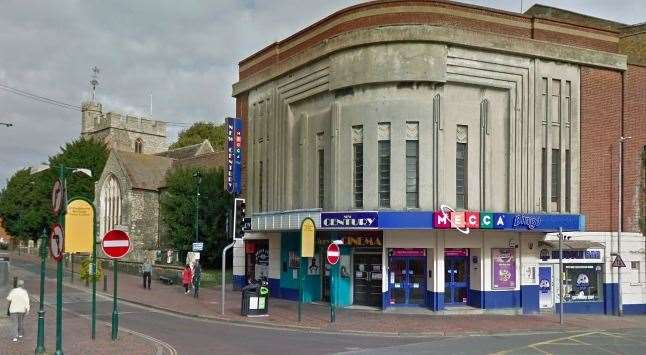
column 85, row 270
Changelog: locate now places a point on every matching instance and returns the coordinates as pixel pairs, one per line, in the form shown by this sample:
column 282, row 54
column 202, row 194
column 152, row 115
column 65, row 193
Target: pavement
column 283, row 313
column 190, row 326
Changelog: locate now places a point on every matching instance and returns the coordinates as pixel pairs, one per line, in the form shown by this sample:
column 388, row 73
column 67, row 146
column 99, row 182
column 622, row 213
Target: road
column 188, row 335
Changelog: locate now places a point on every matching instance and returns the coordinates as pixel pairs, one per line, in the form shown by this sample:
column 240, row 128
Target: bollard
column 105, row 282
column 15, row 281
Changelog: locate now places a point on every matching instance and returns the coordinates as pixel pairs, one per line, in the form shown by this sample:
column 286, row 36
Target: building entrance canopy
column 464, row 221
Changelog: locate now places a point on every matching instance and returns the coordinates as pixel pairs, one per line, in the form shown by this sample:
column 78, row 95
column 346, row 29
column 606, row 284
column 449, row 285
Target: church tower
column 121, row 131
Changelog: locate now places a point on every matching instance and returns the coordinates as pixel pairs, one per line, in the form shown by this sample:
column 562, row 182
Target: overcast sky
column 184, row 53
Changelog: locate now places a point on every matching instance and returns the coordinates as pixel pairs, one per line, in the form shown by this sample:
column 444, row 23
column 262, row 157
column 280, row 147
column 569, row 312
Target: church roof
column 208, row 160
column 147, row 172
column 189, row 151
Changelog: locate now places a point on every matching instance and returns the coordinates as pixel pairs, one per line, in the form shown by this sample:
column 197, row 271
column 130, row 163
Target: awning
column 572, row 244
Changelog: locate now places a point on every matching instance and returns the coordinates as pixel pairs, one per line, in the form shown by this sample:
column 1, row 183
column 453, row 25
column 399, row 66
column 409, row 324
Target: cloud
column 183, row 53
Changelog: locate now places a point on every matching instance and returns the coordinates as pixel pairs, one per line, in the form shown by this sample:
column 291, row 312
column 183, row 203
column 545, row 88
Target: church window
column 139, row 145
column 110, row 204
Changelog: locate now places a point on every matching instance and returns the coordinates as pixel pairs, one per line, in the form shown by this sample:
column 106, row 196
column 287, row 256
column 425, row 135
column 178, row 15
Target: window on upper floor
column 139, row 145
column 412, row 164
column 556, row 180
column 383, row 154
column 357, row 166
column 260, row 186
column 461, row 167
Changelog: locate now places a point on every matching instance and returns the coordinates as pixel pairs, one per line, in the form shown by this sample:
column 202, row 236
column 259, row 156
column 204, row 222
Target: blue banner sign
column 349, row 220
column 234, row 155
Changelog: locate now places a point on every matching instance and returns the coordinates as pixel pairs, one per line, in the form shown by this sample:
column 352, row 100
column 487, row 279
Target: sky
column 183, row 53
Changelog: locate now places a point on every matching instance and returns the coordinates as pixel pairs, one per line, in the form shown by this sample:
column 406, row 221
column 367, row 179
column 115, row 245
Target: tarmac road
column 189, row 335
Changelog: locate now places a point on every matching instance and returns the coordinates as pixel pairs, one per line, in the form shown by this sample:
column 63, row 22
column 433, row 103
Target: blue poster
column 545, row 279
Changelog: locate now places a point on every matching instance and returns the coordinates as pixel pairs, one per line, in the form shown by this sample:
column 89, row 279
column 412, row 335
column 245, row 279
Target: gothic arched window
column 110, row 204
column 139, row 145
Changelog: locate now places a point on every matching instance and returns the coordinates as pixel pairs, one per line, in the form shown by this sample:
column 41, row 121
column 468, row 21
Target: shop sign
column 578, row 254
column 363, row 241
column 408, row 252
column 504, row 268
column 456, row 252
column 349, row 220
column 234, row 155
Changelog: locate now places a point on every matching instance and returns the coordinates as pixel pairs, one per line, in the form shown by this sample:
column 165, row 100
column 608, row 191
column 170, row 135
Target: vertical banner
column 503, row 269
column 234, row 155
column 237, row 157
column 79, row 226
column 307, row 238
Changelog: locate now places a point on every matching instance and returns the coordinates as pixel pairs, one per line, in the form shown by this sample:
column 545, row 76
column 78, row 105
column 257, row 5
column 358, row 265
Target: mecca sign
column 234, row 155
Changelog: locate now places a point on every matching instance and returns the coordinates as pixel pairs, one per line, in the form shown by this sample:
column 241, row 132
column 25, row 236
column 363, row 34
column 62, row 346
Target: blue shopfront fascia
column 423, row 220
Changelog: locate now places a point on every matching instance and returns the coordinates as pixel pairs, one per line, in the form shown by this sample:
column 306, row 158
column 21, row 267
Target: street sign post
column 57, row 197
column 57, row 242
column 618, row 262
column 115, row 244
column 333, row 254
column 198, row 246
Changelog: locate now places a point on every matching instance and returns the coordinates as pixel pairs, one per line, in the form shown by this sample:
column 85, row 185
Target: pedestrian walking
column 187, row 276
column 197, row 278
column 147, row 269
column 18, row 306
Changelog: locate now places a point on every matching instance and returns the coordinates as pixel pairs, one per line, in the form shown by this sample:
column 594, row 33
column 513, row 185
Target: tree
column 199, row 131
column 177, row 209
column 25, row 203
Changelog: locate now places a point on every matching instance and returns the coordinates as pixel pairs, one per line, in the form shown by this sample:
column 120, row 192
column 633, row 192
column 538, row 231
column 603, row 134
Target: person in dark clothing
column 197, row 277
column 147, row 269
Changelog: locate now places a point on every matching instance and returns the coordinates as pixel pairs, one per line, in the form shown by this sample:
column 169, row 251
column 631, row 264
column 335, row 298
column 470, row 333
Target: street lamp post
column 59, row 264
column 40, row 341
column 198, row 177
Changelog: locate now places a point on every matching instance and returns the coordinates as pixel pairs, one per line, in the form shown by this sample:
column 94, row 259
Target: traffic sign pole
column 115, row 310
column 59, row 277
column 333, row 257
column 115, row 244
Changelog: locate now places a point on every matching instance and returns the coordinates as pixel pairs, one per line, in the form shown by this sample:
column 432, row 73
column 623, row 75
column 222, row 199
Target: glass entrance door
column 407, row 280
column 456, row 280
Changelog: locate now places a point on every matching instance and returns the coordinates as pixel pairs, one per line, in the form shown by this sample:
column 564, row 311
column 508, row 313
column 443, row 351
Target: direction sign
column 116, row 244
column 198, row 246
column 57, row 197
column 618, row 262
column 57, row 242
column 333, row 254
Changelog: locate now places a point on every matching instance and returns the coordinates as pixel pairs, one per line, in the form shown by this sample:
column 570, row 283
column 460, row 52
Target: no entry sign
column 333, row 254
column 116, row 244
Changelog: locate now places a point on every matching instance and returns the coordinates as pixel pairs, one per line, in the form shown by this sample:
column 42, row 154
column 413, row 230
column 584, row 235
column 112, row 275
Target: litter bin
column 255, row 299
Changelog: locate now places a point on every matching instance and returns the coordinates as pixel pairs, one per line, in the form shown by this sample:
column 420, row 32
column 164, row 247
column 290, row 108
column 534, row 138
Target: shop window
column 357, row 162
column 461, row 152
column 636, row 271
column 556, row 179
column 583, row 283
column 383, row 175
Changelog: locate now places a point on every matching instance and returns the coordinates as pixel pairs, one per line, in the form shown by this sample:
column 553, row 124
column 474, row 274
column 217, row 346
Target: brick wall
column 635, row 127
column 600, row 129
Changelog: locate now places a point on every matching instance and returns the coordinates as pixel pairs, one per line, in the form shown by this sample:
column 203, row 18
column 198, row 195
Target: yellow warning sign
column 79, row 227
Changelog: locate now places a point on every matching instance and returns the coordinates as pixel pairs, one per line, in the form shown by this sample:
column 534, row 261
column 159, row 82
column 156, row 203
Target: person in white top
column 18, row 306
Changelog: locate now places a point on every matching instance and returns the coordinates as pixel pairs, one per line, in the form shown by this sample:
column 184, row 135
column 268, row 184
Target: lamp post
column 40, row 341
column 198, row 177
column 620, row 182
column 59, row 265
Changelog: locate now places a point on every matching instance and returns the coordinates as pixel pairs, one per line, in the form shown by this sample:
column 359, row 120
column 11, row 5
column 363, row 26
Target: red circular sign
column 333, row 254
column 116, row 244
column 57, row 242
